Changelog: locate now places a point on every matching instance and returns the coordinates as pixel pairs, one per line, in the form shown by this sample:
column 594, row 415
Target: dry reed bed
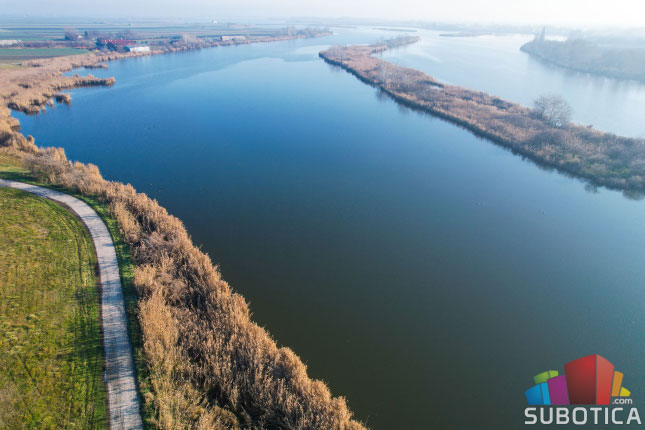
column 31, row 88
column 600, row 158
column 211, row 366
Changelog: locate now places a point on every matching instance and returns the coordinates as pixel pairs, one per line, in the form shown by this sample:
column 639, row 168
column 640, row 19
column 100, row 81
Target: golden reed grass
column 210, row 366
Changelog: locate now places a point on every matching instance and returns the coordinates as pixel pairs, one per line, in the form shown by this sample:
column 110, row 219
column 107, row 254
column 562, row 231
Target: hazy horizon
column 621, row 13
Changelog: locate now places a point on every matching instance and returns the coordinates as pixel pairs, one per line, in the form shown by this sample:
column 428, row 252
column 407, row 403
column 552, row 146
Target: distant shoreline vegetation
column 465, row 34
column 588, row 57
column 602, row 159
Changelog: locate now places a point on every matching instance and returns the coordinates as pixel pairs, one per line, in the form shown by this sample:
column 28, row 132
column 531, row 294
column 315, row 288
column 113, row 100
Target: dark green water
column 422, row 272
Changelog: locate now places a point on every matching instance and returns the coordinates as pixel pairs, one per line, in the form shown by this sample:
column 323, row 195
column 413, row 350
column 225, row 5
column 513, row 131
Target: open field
column 31, row 41
column 17, row 55
column 51, row 355
column 27, row 31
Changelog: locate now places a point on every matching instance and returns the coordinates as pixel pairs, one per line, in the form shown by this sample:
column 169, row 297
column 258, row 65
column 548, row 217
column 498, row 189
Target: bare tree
column 385, row 74
column 338, row 52
column 72, row 34
column 553, row 109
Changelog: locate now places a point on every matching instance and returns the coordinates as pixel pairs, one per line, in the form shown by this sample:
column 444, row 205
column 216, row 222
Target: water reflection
column 413, row 266
column 495, row 64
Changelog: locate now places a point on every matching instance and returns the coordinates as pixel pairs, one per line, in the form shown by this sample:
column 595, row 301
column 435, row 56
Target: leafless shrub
column 554, row 109
column 337, row 52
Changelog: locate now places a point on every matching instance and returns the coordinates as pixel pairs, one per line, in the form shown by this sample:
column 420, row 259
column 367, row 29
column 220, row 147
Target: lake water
column 422, row 272
column 496, row 65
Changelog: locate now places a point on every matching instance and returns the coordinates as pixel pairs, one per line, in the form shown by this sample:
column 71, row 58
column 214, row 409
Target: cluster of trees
column 72, row 34
column 305, row 32
column 585, row 56
column 395, row 42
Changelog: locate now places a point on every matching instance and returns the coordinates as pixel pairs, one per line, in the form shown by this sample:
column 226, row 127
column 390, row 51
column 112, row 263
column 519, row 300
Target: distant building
column 5, row 43
column 140, row 48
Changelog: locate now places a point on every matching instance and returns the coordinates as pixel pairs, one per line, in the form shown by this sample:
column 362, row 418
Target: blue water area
column 422, row 272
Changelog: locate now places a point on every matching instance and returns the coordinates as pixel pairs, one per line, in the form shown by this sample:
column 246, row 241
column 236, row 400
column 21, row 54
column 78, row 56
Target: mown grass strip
column 12, row 168
column 51, row 354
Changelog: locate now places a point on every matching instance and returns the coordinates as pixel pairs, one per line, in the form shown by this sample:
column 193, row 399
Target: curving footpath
column 119, row 365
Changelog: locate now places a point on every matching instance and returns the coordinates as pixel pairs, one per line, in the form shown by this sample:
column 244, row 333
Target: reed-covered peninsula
column 597, row 157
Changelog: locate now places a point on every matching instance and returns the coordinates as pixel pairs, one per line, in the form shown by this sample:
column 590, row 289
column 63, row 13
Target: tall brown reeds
column 210, row 366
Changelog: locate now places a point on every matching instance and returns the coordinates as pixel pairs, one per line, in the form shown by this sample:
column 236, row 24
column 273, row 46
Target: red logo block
column 589, row 380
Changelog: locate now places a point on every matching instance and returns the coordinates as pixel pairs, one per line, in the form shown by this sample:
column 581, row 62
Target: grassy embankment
column 205, row 363
column 51, row 353
column 599, row 158
column 12, row 168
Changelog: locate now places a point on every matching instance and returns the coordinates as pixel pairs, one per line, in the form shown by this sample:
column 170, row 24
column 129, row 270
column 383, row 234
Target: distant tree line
column 396, row 42
column 582, row 55
column 306, row 31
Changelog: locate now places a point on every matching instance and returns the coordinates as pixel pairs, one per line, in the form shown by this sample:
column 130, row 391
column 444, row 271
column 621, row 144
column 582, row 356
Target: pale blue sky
column 589, row 12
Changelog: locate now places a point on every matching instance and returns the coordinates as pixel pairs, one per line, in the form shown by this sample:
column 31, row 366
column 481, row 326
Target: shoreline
column 575, row 150
column 38, row 83
column 207, row 363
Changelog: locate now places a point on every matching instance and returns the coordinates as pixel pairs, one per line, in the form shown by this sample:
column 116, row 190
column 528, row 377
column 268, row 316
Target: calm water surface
column 424, row 273
column 496, row 65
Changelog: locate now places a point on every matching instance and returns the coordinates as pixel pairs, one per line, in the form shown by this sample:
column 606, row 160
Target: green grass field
column 51, row 355
column 15, row 55
column 11, row 168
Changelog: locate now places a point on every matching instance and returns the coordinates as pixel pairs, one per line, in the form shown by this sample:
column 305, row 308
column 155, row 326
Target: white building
column 7, row 42
column 138, row 48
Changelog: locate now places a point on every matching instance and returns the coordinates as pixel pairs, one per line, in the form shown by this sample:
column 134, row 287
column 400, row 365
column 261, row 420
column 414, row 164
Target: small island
column 542, row 134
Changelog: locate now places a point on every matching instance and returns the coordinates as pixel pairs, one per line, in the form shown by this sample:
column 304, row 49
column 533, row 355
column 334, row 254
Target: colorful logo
column 589, row 380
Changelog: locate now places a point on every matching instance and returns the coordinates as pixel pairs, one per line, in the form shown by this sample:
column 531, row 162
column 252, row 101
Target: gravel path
column 119, row 365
